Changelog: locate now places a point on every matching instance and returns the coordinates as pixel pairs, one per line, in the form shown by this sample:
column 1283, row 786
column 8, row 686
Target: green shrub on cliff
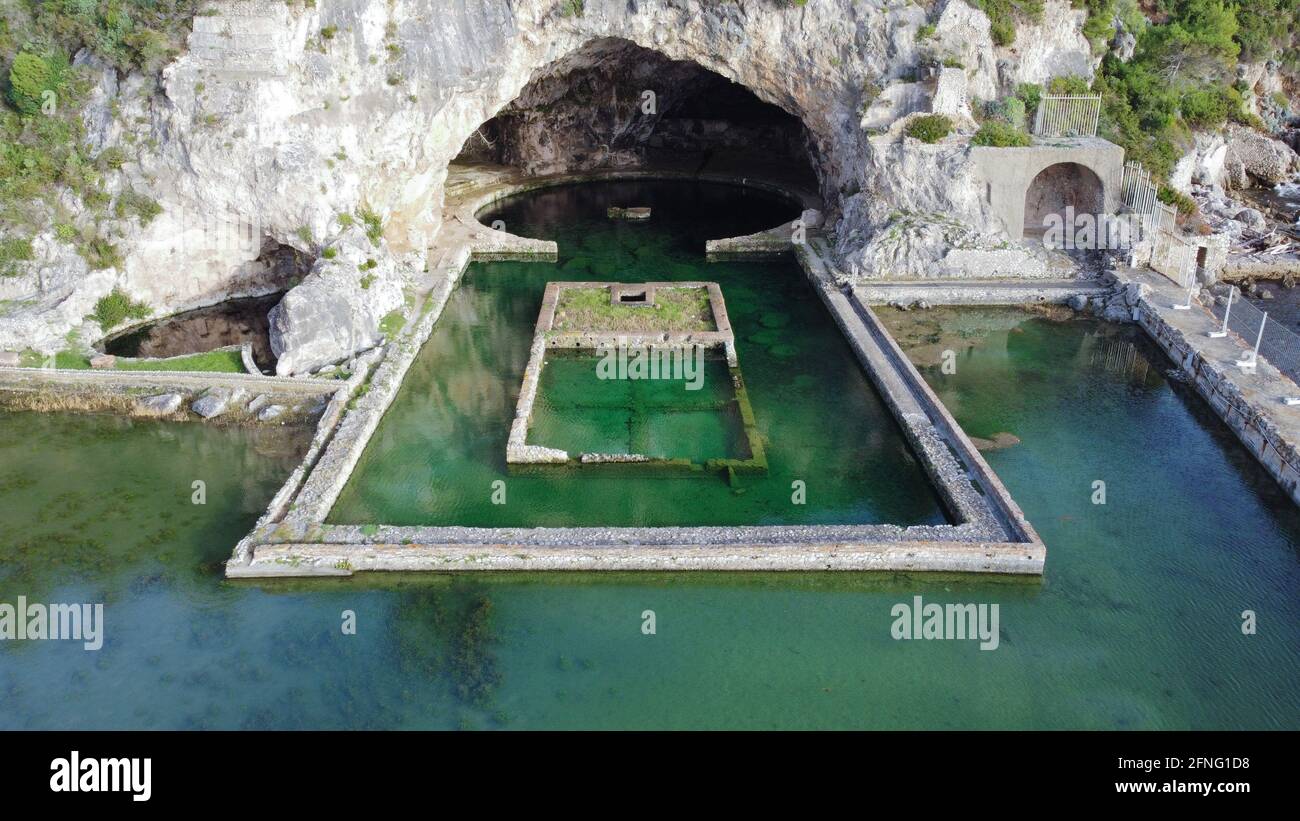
column 127, row 33
column 116, row 307
column 374, row 224
column 1186, row 205
column 930, row 128
column 1000, row 134
column 1009, row 110
column 132, row 203
column 1070, row 85
column 30, row 77
column 1002, row 16
column 1209, row 107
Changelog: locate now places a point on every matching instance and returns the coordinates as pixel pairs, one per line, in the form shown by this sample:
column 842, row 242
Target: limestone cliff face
column 280, row 124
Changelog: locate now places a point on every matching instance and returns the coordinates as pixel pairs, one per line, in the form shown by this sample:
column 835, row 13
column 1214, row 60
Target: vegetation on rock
column 1182, row 74
column 1001, row 134
column 930, row 128
column 1002, row 16
column 42, row 138
column 115, row 308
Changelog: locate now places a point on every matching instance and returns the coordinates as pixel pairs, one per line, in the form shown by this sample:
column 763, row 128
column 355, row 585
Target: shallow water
column 579, row 412
column 441, row 446
column 1135, row 625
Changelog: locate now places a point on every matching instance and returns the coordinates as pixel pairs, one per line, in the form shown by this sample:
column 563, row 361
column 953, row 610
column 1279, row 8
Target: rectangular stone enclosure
column 619, row 334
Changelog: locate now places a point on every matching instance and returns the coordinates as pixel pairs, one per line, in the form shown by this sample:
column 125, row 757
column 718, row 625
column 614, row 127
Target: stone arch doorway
column 1059, row 187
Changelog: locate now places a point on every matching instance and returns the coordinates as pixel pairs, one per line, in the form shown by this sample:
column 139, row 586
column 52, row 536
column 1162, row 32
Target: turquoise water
column 1135, row 625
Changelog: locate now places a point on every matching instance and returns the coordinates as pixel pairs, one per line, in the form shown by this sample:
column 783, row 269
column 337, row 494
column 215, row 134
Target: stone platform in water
column 655, row 331
column 637, row 214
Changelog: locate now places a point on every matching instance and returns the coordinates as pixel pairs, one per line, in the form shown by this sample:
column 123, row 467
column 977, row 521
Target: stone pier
column 1251, row 404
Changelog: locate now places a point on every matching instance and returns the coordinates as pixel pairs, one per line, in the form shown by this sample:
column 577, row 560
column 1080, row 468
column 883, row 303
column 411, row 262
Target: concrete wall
column 1008, row 173
column 1218, row 385
column 1169, row 254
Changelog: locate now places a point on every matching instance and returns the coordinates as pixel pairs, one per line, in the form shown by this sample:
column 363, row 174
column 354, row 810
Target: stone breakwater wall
column 221, row 398
column 367, row 405
column 987, row 536
column 1251, row 416
column 950, row 458
column 293, row 538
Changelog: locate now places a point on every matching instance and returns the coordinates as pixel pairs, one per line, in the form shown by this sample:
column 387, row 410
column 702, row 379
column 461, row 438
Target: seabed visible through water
column 1135, row 624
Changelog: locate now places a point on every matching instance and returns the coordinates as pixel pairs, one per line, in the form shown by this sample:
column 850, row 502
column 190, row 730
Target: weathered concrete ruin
column 350, row 170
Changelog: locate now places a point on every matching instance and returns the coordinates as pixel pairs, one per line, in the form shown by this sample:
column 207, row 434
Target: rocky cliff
column 288, row 126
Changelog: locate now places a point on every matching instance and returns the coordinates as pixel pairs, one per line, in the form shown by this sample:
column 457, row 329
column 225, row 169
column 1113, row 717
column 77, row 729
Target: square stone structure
column 1009, row 174
column 554, row 333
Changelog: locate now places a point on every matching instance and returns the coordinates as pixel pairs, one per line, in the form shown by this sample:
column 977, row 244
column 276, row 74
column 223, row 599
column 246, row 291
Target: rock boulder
column 1258, row 157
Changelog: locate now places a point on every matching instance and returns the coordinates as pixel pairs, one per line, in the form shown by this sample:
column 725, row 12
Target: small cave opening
column 233, row 321
column 615, row 105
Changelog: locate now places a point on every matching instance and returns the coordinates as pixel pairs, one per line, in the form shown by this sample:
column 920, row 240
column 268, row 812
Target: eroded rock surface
column 279, row 120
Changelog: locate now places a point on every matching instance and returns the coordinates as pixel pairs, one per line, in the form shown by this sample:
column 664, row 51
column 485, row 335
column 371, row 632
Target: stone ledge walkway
column 29, row 378
column 976, row 292
column 1250, row 403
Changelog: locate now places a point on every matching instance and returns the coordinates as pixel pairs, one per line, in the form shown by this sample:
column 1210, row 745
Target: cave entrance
column 612, row 104
column 1059, row 187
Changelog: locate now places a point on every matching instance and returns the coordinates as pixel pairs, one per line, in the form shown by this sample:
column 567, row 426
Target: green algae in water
column 580, row 412
column 1136, row 624
column 440, row 447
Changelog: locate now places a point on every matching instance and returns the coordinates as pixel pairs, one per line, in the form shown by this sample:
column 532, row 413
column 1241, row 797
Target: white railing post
column 1186, row 277
column 1247, row 363
column 1227, row 312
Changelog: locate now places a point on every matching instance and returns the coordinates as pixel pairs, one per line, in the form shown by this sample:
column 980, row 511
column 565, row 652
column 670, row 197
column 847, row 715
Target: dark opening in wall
column 1056, row 188
column 613, row 104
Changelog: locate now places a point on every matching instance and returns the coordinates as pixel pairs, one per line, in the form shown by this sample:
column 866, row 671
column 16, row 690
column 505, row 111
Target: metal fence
column 1067, row 116
column 1165, row 218
column 1137, row 192
column 1174, row 256
column 1260, row 336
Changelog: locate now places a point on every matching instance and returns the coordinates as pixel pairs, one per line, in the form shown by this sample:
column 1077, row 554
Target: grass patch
column 674, row 309
column 63, row 360
column 392, row 323
column 14, row 250
column 210, row 362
